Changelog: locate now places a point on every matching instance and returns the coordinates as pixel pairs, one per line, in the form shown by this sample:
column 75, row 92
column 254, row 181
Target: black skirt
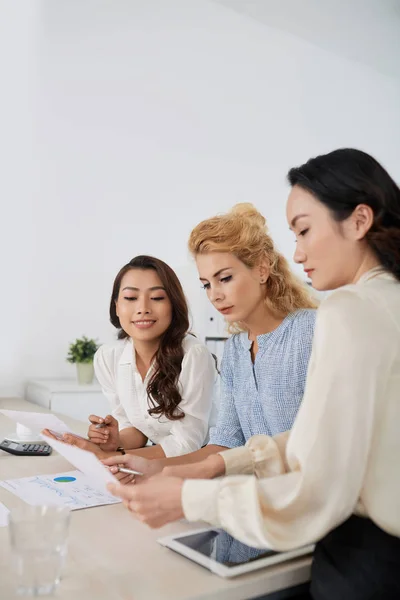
column 356, row 561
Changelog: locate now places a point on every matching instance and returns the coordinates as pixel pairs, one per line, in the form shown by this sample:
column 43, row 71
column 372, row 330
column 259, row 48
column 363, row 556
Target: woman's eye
column 206, row 286
column 225, row 279
column 129, row 298
column 158, row 298
column 303, row 232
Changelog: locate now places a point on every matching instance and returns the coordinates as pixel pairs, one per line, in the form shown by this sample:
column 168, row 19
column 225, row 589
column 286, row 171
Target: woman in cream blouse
column 335, row 478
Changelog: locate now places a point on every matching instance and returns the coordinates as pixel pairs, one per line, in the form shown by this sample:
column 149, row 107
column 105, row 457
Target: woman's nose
column 142, row 308
column 215, row 294
column 299, row 256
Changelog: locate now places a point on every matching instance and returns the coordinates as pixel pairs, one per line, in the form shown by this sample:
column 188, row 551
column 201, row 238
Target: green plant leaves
column 82, row 350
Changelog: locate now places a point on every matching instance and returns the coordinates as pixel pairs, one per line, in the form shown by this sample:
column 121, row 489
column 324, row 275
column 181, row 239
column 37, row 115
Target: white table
column 113, row 557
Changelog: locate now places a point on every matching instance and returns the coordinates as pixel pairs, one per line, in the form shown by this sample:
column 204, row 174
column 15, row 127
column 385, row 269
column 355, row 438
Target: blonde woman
column 265, row 361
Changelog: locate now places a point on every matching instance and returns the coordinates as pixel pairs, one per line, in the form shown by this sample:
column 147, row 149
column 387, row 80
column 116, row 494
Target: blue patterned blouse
column 264, row 397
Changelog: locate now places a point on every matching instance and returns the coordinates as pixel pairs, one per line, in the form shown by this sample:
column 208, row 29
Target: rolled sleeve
column 260, row 456
column 238, row 460
column 225, row 436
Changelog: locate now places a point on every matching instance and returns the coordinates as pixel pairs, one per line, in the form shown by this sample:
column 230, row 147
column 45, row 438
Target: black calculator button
column 30, row 447
column 36, row 447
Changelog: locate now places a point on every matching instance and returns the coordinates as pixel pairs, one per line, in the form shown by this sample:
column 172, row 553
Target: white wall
column 151, row 116
column 365, row 31
column 18, row 156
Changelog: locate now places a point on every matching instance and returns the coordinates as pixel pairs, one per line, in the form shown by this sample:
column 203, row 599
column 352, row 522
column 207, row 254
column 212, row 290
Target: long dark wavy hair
column 162, row 390
column 347, row 177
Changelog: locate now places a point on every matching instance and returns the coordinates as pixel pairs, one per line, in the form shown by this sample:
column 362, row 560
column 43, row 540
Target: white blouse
column 116, row 371
column 342, row 455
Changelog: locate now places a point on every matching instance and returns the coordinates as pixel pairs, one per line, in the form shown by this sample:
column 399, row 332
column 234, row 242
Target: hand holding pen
column 130, row 468
column 128, row 471
column 104, row 432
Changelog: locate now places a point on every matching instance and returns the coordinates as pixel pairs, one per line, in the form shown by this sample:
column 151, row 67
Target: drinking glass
column 38, row 536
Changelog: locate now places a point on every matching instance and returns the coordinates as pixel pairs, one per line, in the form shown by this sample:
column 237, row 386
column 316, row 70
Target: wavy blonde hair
column 243, row 232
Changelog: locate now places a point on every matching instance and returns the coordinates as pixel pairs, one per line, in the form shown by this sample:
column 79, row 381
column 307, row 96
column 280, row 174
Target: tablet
column 225, row 556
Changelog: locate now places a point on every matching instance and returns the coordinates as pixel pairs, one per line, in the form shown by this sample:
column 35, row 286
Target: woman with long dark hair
column 158, row 378
column 340, row 478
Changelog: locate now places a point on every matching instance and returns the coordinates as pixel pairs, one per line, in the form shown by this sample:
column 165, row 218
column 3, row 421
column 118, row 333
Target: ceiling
column 367, row 31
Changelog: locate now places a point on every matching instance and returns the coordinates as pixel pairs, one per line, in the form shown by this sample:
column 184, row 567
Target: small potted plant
column 81, row 352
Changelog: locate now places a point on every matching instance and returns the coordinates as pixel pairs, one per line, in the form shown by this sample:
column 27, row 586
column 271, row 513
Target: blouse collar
column 265, row 338
column 380, row 272
column 128, row 357
column 127, row 353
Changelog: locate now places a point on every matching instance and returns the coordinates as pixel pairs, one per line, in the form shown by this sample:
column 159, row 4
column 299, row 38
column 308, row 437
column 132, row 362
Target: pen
column 128, row 471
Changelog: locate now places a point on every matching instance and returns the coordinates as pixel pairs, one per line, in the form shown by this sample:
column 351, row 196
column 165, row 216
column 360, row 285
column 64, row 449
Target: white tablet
column 222, row 554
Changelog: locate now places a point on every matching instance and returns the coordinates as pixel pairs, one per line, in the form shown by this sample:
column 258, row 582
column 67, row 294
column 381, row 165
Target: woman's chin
column 146, row 335
column 319, row 285
column 230, row 318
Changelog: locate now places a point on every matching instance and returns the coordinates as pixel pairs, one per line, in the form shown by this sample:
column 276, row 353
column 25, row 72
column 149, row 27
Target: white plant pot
column 85, row 373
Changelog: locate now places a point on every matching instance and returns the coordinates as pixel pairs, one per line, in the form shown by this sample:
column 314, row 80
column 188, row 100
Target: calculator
column 27, row 449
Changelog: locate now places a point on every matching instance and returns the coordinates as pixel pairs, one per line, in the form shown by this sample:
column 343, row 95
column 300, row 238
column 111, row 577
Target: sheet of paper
column 3, row 515
column 72, row 489
column 86, row 462
column 37, row 421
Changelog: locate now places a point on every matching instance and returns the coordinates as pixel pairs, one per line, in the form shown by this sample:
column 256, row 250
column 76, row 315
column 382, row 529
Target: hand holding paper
column 85, row 461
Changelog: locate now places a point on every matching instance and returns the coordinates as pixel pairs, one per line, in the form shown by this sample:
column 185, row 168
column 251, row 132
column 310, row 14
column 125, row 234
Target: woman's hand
column 77, row 440
column 104, row 432
column 136, row 463
column 210, row 467
column 155, row 502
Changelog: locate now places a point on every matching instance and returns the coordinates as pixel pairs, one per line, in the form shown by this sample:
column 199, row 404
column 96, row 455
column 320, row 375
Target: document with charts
column 72, row 489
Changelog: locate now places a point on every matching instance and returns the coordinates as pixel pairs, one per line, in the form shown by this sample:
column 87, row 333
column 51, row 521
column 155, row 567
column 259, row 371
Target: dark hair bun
column 386, row 245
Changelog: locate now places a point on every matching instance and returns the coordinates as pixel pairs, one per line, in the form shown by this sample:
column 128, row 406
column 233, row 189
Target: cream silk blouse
column 343, row 454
